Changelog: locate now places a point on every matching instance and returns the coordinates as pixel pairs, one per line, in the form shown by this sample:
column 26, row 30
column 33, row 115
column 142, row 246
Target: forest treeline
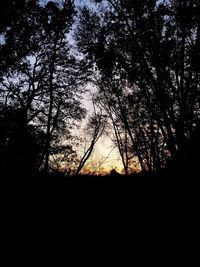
column 143, row 57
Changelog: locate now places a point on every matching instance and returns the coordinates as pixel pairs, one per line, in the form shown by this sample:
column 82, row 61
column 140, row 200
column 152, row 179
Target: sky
column 77, row 2
column 105, row 155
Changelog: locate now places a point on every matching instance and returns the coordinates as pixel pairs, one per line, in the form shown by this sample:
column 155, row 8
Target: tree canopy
column 40, row 75
column 143, row 58
column 147, row 55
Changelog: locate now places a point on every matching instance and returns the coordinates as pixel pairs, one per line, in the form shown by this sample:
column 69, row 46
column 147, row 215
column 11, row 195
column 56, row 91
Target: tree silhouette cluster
column 146, row 55
column 40, row 82
column 143, row 58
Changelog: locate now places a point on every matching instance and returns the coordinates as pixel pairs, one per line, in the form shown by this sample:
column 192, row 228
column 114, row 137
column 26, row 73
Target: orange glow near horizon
column 105, row 158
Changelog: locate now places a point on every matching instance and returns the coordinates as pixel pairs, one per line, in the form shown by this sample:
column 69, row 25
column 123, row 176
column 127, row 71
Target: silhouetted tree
column 21, row 145
column 153, row 49
column 16, row 28
column 46, row 82
column 93, row 130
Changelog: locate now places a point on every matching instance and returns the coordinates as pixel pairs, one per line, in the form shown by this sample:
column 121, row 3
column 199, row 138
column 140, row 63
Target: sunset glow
column 99, row 87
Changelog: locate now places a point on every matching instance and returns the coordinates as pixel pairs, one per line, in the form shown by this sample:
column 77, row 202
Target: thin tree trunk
column 49, row 133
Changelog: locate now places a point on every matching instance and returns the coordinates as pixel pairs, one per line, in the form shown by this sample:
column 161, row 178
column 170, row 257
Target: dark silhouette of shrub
column 21, row 145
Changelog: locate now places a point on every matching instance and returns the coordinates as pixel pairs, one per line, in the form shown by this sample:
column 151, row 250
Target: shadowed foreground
column 111, row 191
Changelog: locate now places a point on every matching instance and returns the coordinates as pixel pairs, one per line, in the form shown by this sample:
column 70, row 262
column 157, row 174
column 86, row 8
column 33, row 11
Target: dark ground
column 138, row 191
